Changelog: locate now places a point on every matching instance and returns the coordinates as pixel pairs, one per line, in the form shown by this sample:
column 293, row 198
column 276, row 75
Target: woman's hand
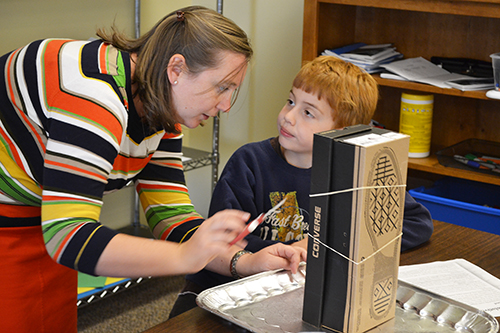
column 272, row 257
column 213, row 237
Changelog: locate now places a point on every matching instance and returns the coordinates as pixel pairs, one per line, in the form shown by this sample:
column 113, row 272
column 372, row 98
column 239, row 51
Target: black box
column 354, row 234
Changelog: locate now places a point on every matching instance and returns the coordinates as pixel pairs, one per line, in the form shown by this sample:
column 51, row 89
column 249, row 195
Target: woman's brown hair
column 197, row 33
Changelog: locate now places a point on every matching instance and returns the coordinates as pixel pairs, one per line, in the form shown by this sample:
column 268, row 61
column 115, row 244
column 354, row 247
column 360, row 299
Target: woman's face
column 199, row 97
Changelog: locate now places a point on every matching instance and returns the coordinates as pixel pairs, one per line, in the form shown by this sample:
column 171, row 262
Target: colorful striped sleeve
column 88, row 119
column 61, row 127
column 164, row 195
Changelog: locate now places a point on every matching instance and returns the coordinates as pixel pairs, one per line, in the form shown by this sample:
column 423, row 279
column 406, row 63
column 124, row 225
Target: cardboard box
column 354, row 245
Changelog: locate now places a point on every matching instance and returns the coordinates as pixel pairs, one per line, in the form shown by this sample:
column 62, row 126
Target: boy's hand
column 301, row 243
column 270, row 258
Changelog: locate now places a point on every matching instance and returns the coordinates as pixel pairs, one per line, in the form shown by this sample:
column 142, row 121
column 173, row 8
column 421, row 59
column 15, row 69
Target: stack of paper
column 473, row 83
column 457, row 279
column 420, row 70
column 368, row 57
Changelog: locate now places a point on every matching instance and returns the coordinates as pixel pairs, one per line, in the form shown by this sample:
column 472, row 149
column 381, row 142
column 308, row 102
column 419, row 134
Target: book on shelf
column 371, row 54
column 388, row 75
column 422, row 71
column 370, row 68
column 368, row 57
column 472, row 83
column 466, row 66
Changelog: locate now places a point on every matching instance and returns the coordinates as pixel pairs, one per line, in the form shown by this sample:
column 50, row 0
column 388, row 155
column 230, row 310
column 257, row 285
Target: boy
column 327, row 93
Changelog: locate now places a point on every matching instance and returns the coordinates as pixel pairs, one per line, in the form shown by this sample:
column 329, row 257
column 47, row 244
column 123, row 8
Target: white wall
column 23, row 21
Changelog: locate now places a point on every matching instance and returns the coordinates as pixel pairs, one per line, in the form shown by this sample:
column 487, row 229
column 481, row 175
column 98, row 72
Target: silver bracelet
column 234, row 260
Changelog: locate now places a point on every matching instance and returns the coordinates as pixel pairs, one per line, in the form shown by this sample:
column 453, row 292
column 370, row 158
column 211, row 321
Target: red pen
column 255, row 223
column 248, row 229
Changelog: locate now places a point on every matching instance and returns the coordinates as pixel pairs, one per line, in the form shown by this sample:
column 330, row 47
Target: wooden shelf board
column 479, row 94
column 481, row 8
column 431, row 164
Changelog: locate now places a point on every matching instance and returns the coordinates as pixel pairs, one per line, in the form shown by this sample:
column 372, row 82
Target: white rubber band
column 354, row 262
column 353, row 189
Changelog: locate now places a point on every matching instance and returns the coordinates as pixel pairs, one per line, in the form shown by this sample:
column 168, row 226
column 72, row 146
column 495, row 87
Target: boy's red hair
column 351, row 92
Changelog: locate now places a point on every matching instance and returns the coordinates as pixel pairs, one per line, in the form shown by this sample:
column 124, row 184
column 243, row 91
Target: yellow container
column 416, row 121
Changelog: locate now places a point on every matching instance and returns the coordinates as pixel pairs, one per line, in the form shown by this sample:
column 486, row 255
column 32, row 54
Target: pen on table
column 475, row 164
column 468, row 162
column 490, row 159
column 484, row 162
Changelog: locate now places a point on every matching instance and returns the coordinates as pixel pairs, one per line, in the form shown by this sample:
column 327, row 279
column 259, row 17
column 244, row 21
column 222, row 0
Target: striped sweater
column 69, row 133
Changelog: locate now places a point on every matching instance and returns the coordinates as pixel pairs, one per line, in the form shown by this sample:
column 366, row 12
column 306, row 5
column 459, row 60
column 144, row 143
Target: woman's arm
column 129, row 256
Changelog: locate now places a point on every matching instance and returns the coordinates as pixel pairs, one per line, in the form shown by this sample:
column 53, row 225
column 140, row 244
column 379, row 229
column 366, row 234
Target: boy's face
column 302, row 116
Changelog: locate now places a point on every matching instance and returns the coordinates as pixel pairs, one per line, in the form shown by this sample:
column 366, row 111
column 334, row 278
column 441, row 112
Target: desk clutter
column 449, row 242
column 459, row 73
column 368, row 57
column 447, row 278
column 465, row 202
column 472, row 154
column 273, row 302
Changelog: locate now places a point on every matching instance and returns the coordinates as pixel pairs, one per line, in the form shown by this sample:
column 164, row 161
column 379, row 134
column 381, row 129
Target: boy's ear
column 176, row 65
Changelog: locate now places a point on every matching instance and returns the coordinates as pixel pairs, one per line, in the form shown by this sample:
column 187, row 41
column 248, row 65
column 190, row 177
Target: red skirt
column 36, row 293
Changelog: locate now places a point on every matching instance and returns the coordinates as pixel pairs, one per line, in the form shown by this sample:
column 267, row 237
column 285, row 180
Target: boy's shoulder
column 259, row 152
column 257, row 147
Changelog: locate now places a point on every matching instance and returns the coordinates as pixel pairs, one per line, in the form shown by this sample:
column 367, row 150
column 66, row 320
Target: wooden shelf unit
column 426, row 28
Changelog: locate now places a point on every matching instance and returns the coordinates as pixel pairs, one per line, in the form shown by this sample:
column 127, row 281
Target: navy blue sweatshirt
column 257, row 177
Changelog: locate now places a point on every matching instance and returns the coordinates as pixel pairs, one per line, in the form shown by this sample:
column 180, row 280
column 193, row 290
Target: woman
column 80, row 119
